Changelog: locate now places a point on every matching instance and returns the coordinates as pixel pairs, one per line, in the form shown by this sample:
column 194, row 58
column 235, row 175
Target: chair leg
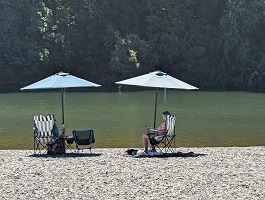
column 174, row 148
column 172, row 144
column 34, row 146
column 69, row 147
column 168, row 145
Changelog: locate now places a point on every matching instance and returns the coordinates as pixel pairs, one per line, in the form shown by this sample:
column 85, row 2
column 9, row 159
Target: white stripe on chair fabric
column 170, row 124
column 44, row 127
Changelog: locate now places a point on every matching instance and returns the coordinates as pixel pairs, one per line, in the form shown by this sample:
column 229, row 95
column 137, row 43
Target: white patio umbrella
column 157, row 79
column 61, row 81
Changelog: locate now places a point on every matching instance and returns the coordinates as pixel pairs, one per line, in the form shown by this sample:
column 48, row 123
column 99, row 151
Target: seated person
column 55, row 130
column 58, row 145
column 153, row 132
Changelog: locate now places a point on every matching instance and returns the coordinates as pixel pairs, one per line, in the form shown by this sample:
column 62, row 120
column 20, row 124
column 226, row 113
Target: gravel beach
column 217, row 173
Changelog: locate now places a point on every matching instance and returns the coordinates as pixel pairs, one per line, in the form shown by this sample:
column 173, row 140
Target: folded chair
column 84, row 138
column 46, row 135
column 166, row 142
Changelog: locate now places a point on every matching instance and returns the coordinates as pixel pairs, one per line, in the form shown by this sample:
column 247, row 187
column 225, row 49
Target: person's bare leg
column 145, row 142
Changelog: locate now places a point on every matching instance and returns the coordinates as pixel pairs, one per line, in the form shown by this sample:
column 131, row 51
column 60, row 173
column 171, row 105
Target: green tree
column 207, row 43
column 20, row 34
column 240, row 56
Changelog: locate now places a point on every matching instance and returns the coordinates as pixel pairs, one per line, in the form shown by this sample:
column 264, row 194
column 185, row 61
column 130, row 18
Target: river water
column 204, row 118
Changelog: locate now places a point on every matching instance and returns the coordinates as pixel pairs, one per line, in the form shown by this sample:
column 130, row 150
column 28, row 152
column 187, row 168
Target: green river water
column 203, row 118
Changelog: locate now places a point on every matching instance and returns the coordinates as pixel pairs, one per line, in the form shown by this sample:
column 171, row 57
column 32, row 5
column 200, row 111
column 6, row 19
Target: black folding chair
column 84, row 138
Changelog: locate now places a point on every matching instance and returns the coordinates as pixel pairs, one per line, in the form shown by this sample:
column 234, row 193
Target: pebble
column 218, row 173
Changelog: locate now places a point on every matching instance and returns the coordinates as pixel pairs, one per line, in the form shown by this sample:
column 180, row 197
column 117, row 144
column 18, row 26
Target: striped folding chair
column 166, row 142
column 44, row 135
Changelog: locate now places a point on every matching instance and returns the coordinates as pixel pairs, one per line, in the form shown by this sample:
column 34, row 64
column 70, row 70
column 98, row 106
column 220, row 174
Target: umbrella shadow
column 184, row 155
column 66, row 155
column 168, row 155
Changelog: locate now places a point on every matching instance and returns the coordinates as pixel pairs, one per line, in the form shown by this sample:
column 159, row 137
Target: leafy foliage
column 218, row 43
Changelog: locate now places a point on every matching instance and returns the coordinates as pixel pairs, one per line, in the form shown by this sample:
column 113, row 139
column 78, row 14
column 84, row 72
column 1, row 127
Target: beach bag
column 58, row 147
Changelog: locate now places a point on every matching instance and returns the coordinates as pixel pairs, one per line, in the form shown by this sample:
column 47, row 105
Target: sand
column 221, row 173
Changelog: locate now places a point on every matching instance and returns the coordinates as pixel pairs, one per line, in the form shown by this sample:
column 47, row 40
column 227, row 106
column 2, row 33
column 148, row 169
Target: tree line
column 207, row 43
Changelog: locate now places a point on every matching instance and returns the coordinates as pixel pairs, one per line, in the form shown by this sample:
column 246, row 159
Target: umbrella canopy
column 157, row 79
column 62, row 81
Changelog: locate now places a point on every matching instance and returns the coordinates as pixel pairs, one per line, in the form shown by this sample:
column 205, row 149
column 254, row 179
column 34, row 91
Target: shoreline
column 220, row 173
column 181, row 147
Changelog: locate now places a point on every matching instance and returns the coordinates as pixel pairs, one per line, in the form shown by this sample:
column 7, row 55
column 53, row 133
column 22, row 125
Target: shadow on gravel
column 180, row 154
column 66, row 155
column 134, row 153
column 170, row 155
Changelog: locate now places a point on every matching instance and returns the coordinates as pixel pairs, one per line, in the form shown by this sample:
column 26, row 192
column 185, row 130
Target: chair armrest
column 153, row 130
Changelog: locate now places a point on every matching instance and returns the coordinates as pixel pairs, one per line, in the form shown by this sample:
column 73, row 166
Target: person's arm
column 159, row 130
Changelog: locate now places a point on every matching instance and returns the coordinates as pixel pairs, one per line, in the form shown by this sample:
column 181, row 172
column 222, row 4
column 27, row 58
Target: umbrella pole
column 155, row 108
column 62, row 93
